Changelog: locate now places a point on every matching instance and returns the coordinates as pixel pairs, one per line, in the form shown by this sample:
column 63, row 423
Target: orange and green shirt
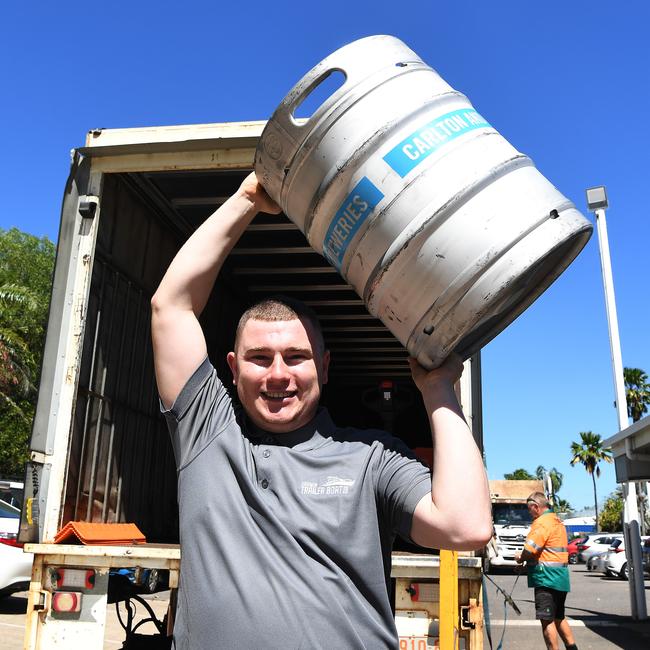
column 547, row 541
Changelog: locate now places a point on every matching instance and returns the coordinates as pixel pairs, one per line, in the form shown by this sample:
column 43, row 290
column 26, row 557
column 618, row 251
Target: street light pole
column 597, row 201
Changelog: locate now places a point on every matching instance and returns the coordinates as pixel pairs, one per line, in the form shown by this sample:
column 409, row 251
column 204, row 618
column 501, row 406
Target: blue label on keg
column 348, row 219
column 411, row 151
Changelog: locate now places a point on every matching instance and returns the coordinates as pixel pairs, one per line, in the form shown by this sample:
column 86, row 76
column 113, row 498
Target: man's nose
column 279, row 369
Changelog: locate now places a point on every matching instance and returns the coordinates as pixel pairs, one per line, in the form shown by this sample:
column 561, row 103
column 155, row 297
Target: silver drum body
column 445, row 230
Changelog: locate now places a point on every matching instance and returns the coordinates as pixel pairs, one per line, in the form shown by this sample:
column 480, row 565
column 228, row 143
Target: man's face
column 279, row 372
column 534, row 509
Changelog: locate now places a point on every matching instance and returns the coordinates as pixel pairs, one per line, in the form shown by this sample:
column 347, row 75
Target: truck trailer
column 100, row 450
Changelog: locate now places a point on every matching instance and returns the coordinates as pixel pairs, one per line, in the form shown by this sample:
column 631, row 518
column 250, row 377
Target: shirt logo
column 331, row 485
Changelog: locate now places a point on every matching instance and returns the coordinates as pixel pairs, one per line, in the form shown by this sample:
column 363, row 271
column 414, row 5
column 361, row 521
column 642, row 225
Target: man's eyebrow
column 261, row 348
column 297, row 349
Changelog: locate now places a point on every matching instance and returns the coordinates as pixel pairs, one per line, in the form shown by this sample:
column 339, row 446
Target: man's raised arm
column 178, row 342
column 457, row 515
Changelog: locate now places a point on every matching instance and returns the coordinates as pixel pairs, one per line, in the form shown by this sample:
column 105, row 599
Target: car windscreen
column 9, row 511
column 511, row 514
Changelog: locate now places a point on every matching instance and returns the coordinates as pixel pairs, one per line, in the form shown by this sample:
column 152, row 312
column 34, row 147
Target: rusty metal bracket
column 466, row 622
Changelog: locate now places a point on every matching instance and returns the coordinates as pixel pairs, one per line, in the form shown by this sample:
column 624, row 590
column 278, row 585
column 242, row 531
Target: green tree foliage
column 611, row 518
column 562, row 505
column 556, row 476
column 637, row 392
column 589, row 452
column 26, row 265
column 519, row 475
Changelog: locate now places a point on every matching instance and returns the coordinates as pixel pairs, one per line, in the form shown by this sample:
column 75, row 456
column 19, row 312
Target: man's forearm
column 524, row 556
column 459, row 487
column 178, row 341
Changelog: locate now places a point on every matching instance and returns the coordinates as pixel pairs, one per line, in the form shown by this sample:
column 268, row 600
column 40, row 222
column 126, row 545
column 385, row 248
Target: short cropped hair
column 282, row 308
column 539, row 498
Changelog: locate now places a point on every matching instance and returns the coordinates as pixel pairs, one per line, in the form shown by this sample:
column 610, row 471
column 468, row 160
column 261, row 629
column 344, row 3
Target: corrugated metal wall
column 121, row 465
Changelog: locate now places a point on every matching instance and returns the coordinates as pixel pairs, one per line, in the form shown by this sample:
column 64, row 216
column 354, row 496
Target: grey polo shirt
column 285, row 538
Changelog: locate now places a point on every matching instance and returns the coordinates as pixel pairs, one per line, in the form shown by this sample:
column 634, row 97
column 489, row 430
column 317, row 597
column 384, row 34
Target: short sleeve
column 536, row 540
column 202, row 410
column 402, row 481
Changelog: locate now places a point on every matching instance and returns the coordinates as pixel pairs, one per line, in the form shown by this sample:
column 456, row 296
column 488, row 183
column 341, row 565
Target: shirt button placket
column 266, row 453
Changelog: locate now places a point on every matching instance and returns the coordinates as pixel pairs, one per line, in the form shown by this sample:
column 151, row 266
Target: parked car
column 645, row 548
column 15, row 565
column 596, row 543
column 9, row 521
column 597, row 562
column 572, row 548
column 141, row 580
column 11, row 492
column 15, row 568
column 616, row 559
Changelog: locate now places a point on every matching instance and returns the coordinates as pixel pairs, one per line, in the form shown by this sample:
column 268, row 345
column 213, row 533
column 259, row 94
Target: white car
column 15, row 565
column 616, row 559
column 597, row 562
column 9, row 521
column 15, row 569
column 596, row 543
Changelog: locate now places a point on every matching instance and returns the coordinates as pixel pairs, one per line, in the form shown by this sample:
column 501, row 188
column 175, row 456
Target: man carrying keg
column 286, row 520
column 545, row 552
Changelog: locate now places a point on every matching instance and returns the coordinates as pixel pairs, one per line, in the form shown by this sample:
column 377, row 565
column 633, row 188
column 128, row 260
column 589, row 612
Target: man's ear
column 231, row 358
column 325, row 366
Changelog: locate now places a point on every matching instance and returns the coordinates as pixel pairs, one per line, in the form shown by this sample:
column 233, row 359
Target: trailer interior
column 121, row 466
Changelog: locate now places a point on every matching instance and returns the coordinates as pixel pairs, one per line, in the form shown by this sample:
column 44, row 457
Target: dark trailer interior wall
column 120, row 463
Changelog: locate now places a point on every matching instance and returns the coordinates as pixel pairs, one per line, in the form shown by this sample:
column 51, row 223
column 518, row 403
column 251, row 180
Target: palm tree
column 589, row 453
column 637, row 392
column 556, row 477
column 562, row 505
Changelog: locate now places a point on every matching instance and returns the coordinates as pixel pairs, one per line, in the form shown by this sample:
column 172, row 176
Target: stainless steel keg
column 445, row 230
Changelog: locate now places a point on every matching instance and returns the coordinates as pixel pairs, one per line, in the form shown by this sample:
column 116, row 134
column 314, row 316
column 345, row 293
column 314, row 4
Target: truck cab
column 511, row 521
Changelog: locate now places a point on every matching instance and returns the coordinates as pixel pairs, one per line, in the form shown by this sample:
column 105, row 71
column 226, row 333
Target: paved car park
column 598, row 608
column 12, row 620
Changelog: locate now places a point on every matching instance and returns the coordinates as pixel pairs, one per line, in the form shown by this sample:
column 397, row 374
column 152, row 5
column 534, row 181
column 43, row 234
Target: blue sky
column 565, row 82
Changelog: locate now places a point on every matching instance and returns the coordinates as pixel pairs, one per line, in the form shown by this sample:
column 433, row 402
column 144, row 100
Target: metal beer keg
column 445, row 230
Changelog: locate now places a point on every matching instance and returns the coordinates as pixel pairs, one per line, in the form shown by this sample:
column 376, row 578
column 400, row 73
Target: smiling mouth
column 279, row 395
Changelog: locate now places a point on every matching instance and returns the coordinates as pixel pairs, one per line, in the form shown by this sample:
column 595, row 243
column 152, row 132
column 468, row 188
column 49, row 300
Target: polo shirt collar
column 310, row 436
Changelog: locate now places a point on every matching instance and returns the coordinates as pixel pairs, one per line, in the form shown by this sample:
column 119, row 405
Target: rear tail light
column 64, row 602
column 583, row 547
column 618, row 550
column 71, row 578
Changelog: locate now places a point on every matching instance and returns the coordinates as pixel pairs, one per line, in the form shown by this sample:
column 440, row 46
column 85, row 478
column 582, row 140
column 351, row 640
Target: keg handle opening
column 319, row 91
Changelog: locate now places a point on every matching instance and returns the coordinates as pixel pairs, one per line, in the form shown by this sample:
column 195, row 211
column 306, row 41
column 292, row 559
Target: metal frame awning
column 631, row 451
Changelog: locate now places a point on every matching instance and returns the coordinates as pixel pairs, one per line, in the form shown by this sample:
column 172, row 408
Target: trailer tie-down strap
column 507, row 600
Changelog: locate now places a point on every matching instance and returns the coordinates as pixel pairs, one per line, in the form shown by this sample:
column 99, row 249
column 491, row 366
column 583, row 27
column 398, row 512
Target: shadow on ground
column 13, row 605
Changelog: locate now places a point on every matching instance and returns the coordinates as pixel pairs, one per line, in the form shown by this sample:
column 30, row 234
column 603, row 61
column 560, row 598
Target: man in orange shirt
column 545, row 552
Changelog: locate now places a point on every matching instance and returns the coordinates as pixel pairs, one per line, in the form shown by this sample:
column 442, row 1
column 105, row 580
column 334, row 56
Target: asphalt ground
column 598, row 609
column 12, row 620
